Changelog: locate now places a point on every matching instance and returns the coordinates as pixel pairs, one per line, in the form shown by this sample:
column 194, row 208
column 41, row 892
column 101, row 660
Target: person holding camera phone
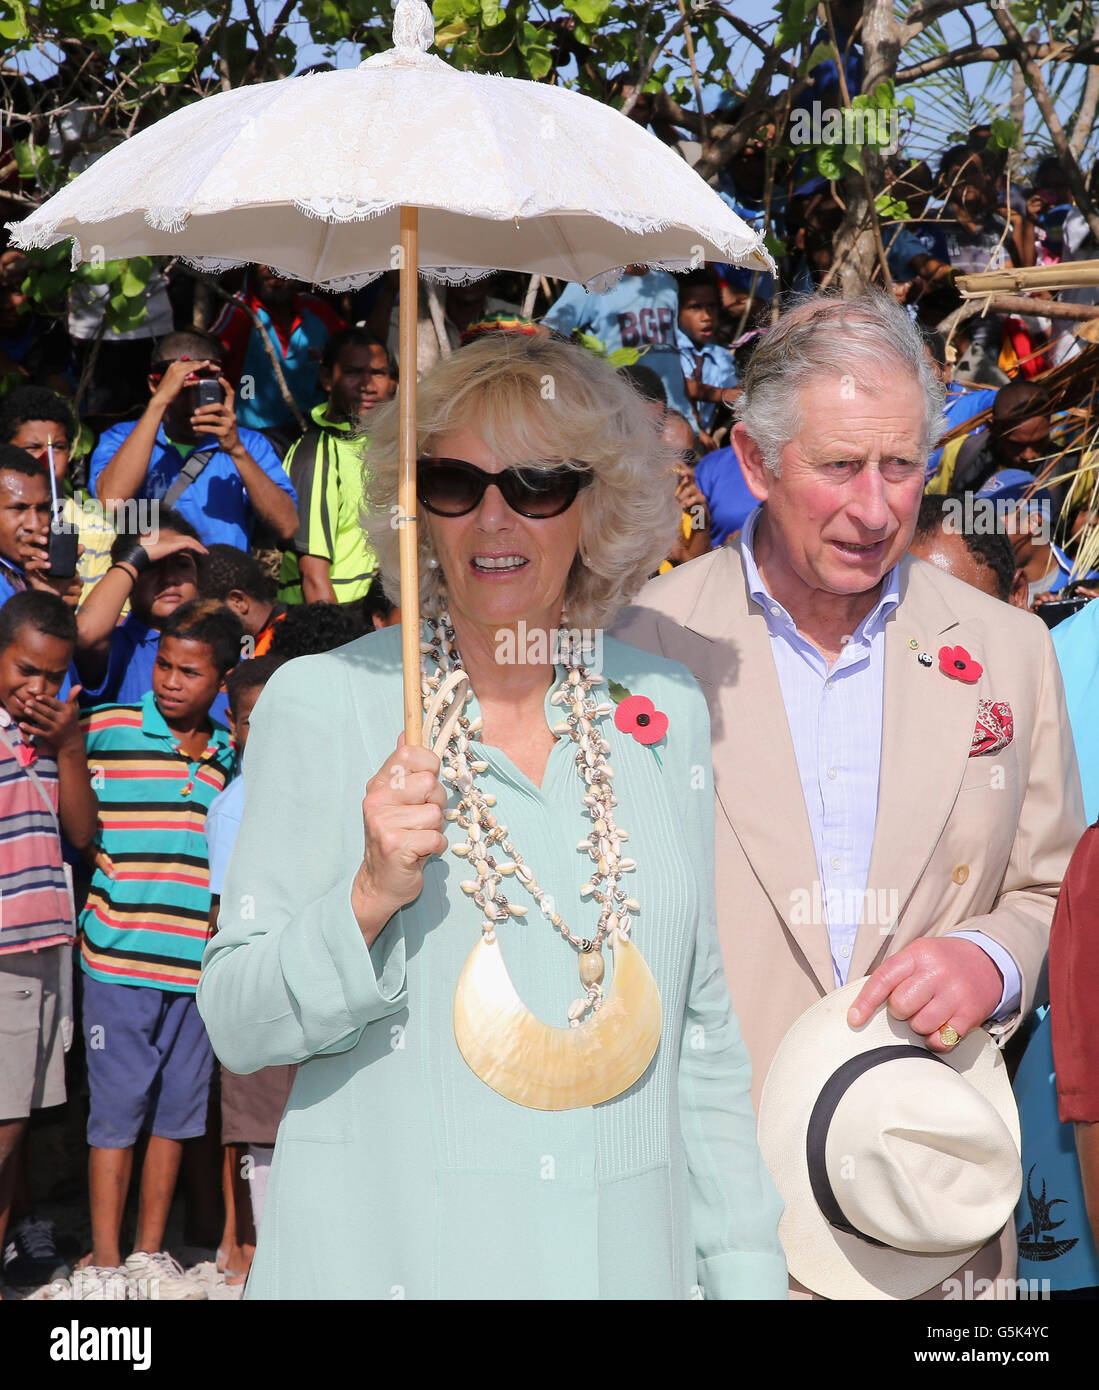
column 25, row 508
column 188, row 452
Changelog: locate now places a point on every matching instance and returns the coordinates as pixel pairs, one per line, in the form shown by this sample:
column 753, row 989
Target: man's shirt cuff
column 1005, row 963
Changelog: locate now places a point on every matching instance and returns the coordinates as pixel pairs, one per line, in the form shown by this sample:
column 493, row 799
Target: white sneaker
column 99, row 1282
column 156, row 1276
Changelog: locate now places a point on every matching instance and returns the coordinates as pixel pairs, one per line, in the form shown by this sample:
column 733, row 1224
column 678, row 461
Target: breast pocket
column 993, row 771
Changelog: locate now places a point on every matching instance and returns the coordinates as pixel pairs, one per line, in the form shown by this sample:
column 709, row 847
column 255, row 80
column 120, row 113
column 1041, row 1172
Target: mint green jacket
column 398, row 1173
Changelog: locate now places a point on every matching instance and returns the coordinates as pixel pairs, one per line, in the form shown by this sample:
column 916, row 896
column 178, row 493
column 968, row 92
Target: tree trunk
column 856, row 248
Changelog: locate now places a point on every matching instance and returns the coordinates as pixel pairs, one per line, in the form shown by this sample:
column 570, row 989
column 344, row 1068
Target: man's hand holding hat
column 895, row 1165
column 934, row 983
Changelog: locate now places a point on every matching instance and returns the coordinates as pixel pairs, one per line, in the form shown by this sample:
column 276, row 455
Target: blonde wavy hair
column 531, row 399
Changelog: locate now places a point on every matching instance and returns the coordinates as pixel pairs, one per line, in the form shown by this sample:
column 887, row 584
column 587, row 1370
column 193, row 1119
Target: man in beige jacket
column 896, row 784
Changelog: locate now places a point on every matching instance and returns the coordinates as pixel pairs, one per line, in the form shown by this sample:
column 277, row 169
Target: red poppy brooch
column 638, row 716
column 957, row 663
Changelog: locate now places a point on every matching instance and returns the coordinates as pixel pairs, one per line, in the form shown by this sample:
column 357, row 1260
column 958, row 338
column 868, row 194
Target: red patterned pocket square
column 995, row 728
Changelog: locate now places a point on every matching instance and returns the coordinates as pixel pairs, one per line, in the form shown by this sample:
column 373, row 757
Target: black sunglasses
column 452, row 487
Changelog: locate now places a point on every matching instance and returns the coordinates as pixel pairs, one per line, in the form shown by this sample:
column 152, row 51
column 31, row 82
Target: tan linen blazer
column 961, row 842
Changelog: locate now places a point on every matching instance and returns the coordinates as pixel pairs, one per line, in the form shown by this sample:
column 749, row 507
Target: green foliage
column 777, row 247
column 590, row 12
column 1004, row 135
column 621, row 357
column 16, row 27
column 894, row 209
column 49, row 279
column 795, row 17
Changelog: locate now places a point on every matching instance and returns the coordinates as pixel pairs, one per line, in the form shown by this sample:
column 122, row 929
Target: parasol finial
column 413, row 25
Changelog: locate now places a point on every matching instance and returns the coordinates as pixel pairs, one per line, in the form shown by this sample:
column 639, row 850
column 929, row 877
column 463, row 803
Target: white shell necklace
column 483, row 829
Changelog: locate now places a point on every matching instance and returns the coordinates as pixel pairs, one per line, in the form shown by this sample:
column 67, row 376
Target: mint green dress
column 398, row 1173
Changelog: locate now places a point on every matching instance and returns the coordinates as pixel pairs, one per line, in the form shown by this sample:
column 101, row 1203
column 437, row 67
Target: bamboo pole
column 1074, row 275
column 407, row 537
column 1041, row 308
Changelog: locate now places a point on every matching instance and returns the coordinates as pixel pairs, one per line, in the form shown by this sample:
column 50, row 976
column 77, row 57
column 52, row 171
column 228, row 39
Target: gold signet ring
column 948, row 1036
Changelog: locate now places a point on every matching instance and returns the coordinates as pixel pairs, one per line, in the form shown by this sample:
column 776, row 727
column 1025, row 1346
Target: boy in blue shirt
column 709, row 371
column 157, row 571
column 640, row 311
column 243, row 480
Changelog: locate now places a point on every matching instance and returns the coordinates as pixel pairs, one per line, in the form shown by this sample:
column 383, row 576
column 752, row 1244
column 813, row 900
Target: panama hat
column 896, row 1164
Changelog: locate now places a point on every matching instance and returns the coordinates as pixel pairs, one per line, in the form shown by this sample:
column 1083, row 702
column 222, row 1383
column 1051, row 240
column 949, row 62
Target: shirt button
column 832, row 774
column 961, row 873
column 775, row 610
column 845, row 951
column 837, row 861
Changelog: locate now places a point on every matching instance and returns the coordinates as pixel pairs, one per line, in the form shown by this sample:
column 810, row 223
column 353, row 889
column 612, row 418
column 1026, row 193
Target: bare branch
column 747, row 32
column 927, row 12
column 1085, row 115
column 647, row 66
column 996, row 53
column 1040, row 93
column 689, row 37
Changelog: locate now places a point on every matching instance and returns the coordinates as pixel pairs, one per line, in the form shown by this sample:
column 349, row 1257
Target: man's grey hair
column 866, row 339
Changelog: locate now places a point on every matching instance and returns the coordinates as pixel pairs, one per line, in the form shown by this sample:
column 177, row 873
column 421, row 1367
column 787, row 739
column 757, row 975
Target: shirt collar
column 17, row 570
column 140, row 631
column 320, row 417
column 261, row 312
column 154, row 724
column 184, row 450
column 871, row 624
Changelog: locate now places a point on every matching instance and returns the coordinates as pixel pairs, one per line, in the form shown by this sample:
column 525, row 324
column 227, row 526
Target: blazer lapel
column 756, row 774
column 927, row 730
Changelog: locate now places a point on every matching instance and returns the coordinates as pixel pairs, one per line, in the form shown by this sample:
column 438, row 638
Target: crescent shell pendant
column 546, row 1068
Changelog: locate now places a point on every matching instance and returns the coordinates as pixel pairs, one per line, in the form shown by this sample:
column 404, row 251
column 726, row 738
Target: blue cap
column 1015, row 485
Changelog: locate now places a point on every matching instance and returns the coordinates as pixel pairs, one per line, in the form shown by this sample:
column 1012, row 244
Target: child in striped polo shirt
column 157, row 766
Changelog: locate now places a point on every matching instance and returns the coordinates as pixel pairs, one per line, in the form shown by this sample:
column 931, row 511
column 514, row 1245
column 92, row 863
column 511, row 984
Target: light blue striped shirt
column 835, row 719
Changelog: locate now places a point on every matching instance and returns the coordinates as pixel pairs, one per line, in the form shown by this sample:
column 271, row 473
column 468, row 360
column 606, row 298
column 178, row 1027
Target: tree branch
column 647, row 66
column 1040, row 93
column 694, row 69
column 924, row 13
column 995, row 53
column 1085, row 114
column 747, row 32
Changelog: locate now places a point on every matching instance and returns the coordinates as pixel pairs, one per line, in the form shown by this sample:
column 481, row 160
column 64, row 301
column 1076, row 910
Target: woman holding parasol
column 521, row 1076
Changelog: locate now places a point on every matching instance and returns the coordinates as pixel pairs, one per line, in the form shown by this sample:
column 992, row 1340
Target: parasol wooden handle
column 408, row 320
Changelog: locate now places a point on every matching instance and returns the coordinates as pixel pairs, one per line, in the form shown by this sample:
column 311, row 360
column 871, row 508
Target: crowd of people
column 218, row 509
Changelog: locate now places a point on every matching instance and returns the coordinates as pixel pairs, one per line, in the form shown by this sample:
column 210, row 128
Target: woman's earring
column 432, row 563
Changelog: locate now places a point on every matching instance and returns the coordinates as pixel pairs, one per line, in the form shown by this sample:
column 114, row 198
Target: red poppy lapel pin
column 637, row 716
column 959, row 665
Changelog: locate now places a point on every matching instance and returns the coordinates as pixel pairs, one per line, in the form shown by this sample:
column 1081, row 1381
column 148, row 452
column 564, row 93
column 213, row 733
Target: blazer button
column 961, row 873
